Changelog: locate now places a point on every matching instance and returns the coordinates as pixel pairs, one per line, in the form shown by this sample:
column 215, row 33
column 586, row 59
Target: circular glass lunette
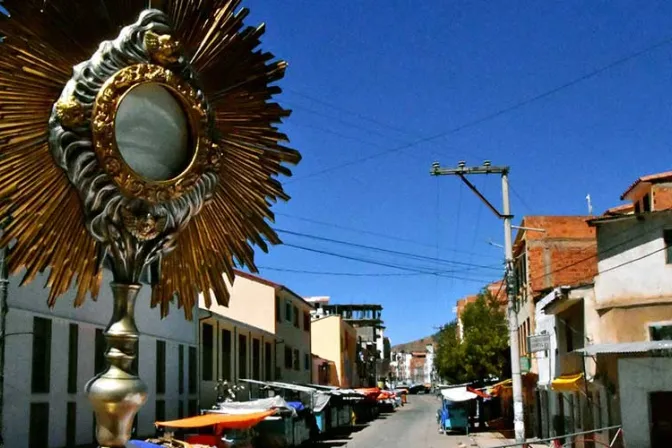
column 152, row 133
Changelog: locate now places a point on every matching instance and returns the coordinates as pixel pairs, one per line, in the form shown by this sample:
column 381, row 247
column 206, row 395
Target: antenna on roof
column 590, row 205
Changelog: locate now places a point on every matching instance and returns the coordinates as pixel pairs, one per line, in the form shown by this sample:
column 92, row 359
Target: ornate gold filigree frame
column 205, row 154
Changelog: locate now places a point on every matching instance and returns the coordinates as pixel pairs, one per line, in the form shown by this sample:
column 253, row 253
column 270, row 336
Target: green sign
column 524, row 364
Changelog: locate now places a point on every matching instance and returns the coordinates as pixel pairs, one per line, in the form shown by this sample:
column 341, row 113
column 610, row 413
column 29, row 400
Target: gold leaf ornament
column 163, row 48
column 70, row 112
column 59, row 226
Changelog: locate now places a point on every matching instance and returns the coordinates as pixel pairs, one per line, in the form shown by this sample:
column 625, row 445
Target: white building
column 633, row 296
column 50, row 354
column 429, row 364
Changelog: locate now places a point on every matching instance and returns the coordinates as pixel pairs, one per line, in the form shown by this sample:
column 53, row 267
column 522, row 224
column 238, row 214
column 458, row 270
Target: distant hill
column 414, row 346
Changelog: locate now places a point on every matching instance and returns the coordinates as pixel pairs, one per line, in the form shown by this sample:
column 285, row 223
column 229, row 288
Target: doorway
column 660, row 419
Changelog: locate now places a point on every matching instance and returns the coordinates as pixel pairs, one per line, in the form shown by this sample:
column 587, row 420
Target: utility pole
column 462, row 171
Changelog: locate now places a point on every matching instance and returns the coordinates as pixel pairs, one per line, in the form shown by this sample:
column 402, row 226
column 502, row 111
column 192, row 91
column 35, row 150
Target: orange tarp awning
column 232, row 421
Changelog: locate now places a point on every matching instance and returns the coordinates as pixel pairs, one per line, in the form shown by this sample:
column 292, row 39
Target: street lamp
column 154, row 157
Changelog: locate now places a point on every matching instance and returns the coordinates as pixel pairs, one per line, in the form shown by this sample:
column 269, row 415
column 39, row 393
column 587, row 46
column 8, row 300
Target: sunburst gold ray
column 43, row 41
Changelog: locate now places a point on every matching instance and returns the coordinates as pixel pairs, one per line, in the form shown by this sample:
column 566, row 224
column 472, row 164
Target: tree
column 450, row 354
column 483, row 352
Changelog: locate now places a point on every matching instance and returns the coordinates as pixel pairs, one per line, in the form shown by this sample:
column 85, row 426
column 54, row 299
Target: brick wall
column 565, row 254
column 662, row 196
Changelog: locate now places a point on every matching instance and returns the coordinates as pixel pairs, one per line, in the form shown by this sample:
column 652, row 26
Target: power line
column 356, row 114
column 340, row 120
column 344, row 274
column 376, row 234
column 600, row 253
column 634, row 260
column 390, row 251
column 520, row 198
column 339, row 134
column 389, row 265
column 496, row 114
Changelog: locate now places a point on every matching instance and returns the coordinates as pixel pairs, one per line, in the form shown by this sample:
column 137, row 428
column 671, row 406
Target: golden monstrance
column 142, row 140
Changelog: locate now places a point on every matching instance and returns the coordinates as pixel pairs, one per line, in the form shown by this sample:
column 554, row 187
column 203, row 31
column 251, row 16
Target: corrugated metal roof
column 625, row 347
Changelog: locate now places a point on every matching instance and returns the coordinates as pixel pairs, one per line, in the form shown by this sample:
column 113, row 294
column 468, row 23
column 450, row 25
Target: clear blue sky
column 366, row 76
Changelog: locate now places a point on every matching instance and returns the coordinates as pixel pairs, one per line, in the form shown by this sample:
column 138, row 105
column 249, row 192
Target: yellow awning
column 568, row 383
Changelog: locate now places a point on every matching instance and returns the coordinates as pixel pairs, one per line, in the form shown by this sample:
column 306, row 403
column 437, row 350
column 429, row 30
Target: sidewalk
column 496, row 439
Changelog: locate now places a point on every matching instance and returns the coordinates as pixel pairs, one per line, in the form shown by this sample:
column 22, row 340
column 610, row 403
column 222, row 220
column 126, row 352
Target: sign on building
column 524, row 364
column 539, row 343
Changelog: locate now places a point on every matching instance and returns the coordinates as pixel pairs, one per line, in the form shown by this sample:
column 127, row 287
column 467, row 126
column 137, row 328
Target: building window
column 39, row 425
column 193, row 371
column 256, row 359
column 569, row 340
column 193, row 408
column 73, row 339
column 242, row 356
column 660, row 332
column 268, row 361
column 646, row 203
column 207, row 352
column 296, row 359
column 521, row 276
column 160, row 410
column 296, row 317
column 288, row 311
column 41, row 355
column 667, row 237
column 180, row 370
column 160, row 367
column 71, row 424
column 99, row 356
column 278, row 317
column 306, row 321
column 226, row 355
column 288, row 358
column 306, row 361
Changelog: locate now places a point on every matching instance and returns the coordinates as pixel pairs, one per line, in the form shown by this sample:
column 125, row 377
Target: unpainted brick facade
column 564, row 254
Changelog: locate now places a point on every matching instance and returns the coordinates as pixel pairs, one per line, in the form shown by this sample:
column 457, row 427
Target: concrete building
column 400, row 367
column 634, row 300
column 335, row 340
column 264, row 334
column 238, row 341
column 413, row 362
column 293, row 315
column 52, row 353
column 549, row 251
column 576, row 400
column 614, row 339
column 430, row 371
column 372, row 363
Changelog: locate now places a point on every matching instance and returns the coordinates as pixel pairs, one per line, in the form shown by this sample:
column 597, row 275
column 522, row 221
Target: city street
column 413, row 425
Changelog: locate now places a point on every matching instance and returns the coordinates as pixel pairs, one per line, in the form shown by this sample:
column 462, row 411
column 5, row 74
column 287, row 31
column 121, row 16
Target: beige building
column 335, row 340
column 292, row 328
column 263, row 334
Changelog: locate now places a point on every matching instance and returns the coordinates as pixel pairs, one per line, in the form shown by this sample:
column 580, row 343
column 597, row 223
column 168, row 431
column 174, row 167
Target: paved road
column 411, row 426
